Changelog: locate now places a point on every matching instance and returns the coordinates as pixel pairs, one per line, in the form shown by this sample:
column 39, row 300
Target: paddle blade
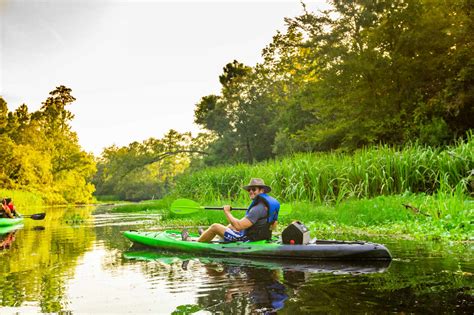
column 285, row 209
column 185, row 206
column 37, row 216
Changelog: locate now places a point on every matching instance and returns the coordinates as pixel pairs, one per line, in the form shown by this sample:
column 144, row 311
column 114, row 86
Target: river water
column 76, row 261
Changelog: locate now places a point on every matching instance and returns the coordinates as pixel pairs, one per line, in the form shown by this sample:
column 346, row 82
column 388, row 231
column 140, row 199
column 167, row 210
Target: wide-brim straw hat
column 257, row 182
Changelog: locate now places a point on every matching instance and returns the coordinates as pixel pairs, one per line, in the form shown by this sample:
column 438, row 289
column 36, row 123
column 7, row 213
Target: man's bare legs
column 209, row 234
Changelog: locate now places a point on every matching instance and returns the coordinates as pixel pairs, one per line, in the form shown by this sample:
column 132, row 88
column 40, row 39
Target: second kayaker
column 8, row 209
column 257, row 224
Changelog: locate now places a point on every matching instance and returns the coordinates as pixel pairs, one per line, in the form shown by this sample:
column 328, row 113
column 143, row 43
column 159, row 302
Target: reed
column 329, row 178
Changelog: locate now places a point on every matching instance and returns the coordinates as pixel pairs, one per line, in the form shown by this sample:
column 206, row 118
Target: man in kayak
column 257, row 224
column 8, row 209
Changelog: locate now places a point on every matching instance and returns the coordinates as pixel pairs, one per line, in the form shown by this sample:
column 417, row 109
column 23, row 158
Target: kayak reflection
column 258, row 285
column 7, row 236
column 7, row 229
column 316, row 266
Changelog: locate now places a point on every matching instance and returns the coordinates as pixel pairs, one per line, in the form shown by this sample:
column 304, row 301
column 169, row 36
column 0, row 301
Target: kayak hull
column 10, row 222
column 318, row 250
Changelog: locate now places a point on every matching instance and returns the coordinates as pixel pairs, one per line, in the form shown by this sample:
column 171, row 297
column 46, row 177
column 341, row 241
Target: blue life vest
column 263, row 233
column 271, row 203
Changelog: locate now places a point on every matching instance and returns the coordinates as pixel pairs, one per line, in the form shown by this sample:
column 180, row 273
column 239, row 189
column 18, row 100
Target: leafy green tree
column 211, row 114
column 289, row 68
column 369, row 72
column 23, row 129
column 72, row 168
column 143, row 170
column 3, row 114
column 30, row 168
column 40, row 152
column 6, row 162
column 240, row 118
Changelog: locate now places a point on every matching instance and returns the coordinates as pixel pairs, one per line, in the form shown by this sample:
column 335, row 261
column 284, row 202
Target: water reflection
column 225, row 287
column 40, row 259
column 248, row 285
column 6, row 240
column 7, row 235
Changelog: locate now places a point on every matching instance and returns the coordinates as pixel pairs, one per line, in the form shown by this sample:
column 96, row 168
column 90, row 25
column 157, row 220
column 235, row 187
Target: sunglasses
column 253, row 189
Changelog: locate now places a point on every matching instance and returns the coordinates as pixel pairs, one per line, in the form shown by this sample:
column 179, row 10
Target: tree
column 387, row 71
column 72, row 168
column 240, row 118
column 143, row 170
column 3, row 114
column 40, row 152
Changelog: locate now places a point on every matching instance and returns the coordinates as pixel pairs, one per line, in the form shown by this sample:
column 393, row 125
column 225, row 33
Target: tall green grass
column 22, row 199
column 107, row 198
column 359, row 194
column 444, row 215
column 332, row 177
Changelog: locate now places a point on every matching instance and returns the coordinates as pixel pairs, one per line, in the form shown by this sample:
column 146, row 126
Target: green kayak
column 316, row 250
column 9, row 222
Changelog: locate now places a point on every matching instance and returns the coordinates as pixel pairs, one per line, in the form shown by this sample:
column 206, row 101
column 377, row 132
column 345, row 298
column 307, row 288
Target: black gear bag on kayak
column 296, row 233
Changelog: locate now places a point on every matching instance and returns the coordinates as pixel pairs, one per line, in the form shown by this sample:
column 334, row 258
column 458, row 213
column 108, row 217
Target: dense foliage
column 330, row 177
column 144, row 170
column 361, row 73
column 40, row 152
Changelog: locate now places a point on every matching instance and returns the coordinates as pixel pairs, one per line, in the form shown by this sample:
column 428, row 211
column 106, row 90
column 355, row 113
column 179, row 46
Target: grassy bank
column 422, row 217
column 145, row 206
column 446, row 217
column 332, row 177
column 417, row 192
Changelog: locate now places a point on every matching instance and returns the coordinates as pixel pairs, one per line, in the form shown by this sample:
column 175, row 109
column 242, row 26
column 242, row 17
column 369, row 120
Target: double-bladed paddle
column 37, row 216
column 187, row 206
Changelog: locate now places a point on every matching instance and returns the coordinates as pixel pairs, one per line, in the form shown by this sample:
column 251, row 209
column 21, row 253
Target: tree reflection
column 39, row 261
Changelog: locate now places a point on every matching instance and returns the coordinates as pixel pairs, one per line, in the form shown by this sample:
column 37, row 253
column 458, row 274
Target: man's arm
column 238, row 225
column 7, row 211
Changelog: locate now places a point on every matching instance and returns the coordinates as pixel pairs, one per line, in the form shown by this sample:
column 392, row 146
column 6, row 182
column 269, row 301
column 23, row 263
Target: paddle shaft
column 37, row 216
column 186, row 206
column 222, row 208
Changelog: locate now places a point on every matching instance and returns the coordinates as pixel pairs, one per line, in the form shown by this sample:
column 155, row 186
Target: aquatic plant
column 74, row 219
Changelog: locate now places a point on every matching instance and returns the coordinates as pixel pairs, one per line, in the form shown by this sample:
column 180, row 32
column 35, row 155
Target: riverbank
column 441, row 217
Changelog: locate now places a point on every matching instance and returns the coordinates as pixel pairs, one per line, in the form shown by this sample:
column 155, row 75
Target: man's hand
column 238, row 225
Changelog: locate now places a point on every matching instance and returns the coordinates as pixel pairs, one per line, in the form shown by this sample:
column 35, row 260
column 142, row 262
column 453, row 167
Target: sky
column 136, row 68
